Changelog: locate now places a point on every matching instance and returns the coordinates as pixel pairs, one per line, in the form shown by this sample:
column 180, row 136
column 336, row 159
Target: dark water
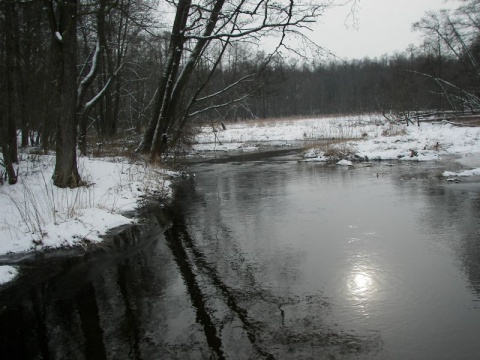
column 270, row 260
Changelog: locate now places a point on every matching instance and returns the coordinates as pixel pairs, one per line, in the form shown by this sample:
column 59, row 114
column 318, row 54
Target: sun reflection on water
column 361, row 285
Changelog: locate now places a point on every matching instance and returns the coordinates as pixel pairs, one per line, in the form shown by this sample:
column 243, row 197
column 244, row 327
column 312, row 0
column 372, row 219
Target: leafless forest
column 76, row 73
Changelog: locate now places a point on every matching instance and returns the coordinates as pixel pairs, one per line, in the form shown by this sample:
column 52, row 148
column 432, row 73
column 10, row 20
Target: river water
column 270, row 259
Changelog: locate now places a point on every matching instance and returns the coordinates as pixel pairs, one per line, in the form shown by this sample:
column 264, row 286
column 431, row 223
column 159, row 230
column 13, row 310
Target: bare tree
column 199, row 24
column 109, row 28
column 458, row 34
column 63, row 28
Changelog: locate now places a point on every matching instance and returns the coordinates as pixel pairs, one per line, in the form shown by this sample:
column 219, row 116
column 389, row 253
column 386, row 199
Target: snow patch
column 345, row 163
column 7, row 273
column 472, row 172
column 373, row 137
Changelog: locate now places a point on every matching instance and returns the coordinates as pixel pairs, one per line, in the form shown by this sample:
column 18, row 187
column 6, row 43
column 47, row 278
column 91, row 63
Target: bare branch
column 89, row 105
column 219, row 105
column 88, row 79
column 243, row 79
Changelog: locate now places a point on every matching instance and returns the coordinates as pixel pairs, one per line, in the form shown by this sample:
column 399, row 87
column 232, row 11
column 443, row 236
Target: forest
column 76, row 73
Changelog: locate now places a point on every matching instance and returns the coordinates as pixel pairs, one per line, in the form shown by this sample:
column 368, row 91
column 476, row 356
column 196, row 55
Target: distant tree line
column 391, row 83
column 81, row 71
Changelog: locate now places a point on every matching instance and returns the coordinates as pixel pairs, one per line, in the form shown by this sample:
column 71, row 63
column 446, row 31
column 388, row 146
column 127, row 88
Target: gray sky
column 384, row 26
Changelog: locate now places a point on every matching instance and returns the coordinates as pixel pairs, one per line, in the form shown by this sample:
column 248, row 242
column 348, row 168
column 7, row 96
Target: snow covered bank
column 35, row 215
column 366, row 137
column 424, row 143
column 246, row 136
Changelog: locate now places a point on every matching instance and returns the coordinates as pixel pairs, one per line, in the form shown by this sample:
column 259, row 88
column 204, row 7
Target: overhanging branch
column 218, row 106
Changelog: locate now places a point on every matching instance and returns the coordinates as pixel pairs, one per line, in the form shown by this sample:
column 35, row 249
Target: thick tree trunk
column 10, row 58
column 8, row 140
column 65, row 57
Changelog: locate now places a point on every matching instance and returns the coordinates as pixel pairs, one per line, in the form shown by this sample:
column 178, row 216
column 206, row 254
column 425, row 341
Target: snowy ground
column 370, row 136
column 35, row 215
column 346, row 139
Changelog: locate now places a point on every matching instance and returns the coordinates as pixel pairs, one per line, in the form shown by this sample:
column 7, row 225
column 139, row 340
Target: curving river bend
column 269, row 259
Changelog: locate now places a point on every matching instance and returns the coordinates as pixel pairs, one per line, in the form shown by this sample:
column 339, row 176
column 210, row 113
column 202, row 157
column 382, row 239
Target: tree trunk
column 175, row 87
column 82, row 110
column 82, row 134
column 64, row 37
column 10, row 58
column 9, row 136
column 156, row 125
column 105, row 38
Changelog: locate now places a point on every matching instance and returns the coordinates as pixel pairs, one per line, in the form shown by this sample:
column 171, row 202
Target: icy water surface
column 271, row 260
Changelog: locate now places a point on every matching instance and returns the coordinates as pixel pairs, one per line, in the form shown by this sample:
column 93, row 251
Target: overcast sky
column 384, row 26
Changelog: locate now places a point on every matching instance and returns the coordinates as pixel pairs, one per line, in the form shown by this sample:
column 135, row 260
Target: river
column 269, row 258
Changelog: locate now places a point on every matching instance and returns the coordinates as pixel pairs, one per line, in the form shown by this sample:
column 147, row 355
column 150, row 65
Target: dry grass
column 274, row 121
column 338, row 151
column 38, row 206
column 394, row 130
column 39, row 203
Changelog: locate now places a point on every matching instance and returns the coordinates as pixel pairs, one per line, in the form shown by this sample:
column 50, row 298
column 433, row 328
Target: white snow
column 7, row 273
column 472, row 172
column 35, row 214
column 366, row 136
column 345, row 163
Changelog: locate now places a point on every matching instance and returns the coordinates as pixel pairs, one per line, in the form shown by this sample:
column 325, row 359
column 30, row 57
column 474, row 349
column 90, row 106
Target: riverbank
column 37, row 216
column 366, row 137
column 264, row 244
